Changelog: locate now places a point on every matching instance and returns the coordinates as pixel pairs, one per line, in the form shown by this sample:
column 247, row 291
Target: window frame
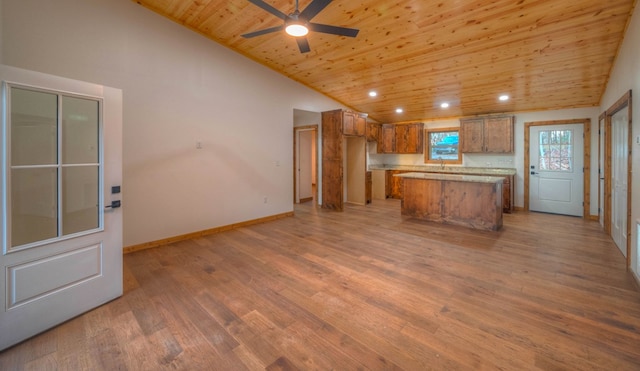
column 427, row 151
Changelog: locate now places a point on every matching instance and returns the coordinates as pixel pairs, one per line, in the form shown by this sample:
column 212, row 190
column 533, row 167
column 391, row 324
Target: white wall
column 625, row 76
column 515, row 160
column 179, row 88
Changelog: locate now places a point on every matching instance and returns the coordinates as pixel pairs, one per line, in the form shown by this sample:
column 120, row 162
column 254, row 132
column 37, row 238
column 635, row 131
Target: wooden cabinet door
column 471, row 135
column 332, row 160
column 360, row 125
column 372, row 132
column 401, row 132
column 506, row 195
column 409, row 138
column 414, row 138
column 348, row 123
column 394, row 184
column 387, row 142
column 498, row 135
column 354, row 124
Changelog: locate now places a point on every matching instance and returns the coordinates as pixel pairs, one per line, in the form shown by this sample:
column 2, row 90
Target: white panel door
column 305, row 190
column 619, row 181
column 61, row 154
column 556, row 158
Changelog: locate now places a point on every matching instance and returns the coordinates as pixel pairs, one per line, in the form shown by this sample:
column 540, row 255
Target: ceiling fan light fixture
column 296, row 29
column 295, row 26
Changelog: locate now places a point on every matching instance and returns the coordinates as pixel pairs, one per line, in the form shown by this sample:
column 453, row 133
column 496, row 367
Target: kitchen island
column 467, row 200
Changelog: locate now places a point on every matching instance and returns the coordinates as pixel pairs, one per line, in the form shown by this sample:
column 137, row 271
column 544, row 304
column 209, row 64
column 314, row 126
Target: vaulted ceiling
column 417, row 54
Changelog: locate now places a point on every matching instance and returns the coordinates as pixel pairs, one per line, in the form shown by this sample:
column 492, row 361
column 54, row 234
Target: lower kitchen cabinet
column 394, row 185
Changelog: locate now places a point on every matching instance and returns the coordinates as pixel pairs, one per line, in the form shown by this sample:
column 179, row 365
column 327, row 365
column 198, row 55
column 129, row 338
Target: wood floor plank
column 362, row 289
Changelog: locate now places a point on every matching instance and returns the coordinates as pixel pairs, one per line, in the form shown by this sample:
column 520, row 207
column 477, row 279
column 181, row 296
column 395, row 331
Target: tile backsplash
column 468, row 160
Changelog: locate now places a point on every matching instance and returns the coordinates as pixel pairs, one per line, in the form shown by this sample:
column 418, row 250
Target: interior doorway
column 532, row 170
column 305, row 164
column 617, row 173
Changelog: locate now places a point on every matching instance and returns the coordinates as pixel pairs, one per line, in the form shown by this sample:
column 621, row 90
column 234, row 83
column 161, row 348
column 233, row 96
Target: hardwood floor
column 362, row 289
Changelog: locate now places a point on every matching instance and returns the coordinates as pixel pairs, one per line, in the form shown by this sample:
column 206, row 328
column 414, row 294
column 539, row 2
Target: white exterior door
column 61, row 151
column 619, row 178
column 556, row 157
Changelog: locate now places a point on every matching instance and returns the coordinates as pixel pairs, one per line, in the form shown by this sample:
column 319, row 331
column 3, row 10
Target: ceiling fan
column 298, row 24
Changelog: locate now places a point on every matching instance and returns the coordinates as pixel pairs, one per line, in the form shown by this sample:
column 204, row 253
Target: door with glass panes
column 61, row 165
column 556, row 183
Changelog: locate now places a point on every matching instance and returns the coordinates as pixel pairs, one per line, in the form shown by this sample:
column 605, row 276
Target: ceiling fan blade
column 334, row 30
column 269, row 8
column 303, row 44
column 262, row 32
column 314, row 8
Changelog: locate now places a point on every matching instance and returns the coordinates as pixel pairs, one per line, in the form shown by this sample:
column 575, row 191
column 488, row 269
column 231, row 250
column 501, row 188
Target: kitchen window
column 442, row 146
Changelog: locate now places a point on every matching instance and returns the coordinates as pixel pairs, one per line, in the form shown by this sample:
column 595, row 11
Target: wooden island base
column 465, row 200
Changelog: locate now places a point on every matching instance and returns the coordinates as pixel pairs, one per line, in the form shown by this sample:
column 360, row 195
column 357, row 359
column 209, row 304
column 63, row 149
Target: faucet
column 441, row 163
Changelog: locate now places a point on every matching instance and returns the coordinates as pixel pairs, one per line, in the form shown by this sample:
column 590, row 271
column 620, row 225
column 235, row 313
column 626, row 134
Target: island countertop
column 453, row 177
column 466, row 200
column 446, row 169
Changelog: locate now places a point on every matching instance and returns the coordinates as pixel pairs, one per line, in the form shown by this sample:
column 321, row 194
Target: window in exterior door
column 556, row 150
column 54, row 166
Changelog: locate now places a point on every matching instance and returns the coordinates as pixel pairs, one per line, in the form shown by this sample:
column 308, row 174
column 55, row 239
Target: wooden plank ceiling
column 546, row 54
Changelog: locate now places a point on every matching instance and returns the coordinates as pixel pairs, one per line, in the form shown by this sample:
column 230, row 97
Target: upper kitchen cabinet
column 387, row 139
column 372, row 132
column 486, row 135
column 401, row 138
column 354, row 123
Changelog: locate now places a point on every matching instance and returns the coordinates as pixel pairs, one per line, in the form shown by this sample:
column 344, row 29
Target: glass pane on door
column 34, row 205
column 34, row 127
column 80, row 199
column 79, row 130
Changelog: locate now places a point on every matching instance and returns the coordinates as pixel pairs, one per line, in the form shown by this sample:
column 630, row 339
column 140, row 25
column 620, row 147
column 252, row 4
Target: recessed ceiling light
column 444, row 105
column 503, row 98
column 373, row 93
column 399, row 110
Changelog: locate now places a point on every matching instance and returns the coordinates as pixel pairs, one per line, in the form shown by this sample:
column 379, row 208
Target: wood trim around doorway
column 622, row 103
column 296, row 129
column 586, row 123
